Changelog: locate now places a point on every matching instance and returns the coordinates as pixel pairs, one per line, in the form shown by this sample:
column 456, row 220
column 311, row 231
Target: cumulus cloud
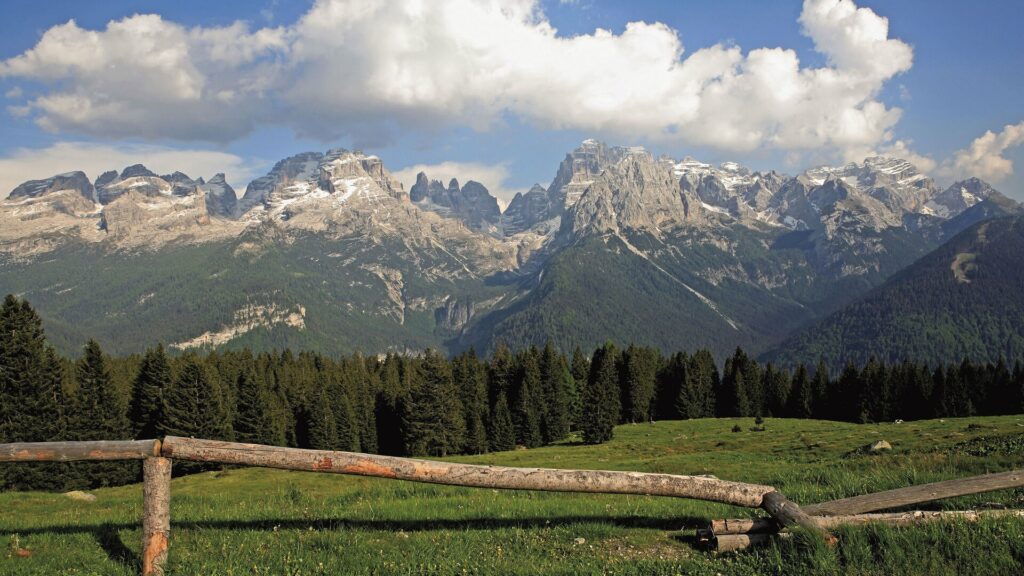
column 367, row 69
column 493, row 176
column 35, row 163
column 984, row 157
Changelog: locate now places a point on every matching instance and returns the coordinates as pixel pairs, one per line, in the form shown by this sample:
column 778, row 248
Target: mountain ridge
column 748, row 255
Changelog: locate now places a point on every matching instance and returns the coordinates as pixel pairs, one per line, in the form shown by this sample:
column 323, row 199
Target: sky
column 499, row 90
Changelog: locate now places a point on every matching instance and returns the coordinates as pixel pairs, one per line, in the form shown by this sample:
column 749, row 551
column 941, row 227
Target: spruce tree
column 146, row 408
column 672, row 401
column 471, row 378
column 254, row 416
column 821, row 386
column 778, row 391
column 97, row 414
column 801, row 398
column 558, row 389
column 432, row 417
column 321, row 426
column 639, row 368
column 31, row 395
column 580, row 369
column 502, row 434
column 193, row 405
column 601, row 402
column 701, row 382
column 346, row 425
column 734, row 398
column 525, row 416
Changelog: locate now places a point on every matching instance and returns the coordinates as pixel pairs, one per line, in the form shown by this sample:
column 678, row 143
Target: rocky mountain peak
column 472, row 203
column 75, row 181
column 136, row 170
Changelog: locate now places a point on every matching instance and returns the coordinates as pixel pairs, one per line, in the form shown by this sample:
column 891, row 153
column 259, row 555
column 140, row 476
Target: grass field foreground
column 259, row 521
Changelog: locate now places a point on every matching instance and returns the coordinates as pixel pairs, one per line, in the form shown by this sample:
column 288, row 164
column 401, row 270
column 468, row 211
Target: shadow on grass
column 110, row 541
column 107, row 534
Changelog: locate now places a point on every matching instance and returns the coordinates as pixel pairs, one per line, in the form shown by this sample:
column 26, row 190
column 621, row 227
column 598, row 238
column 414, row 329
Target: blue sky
column 491, row 90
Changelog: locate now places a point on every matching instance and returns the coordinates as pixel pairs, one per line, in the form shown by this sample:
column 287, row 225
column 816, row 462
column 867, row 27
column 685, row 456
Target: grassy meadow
column 258, row 521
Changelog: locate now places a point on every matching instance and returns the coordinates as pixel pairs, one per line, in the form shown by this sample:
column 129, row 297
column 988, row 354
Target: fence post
column 156, row 514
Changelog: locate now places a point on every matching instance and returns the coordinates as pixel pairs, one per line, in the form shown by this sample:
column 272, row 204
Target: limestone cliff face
column 471, row 203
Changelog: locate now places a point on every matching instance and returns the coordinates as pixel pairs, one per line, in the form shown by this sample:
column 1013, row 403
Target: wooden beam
column 918, row 494
column 72, row 451
column 156, row 514
column 768, row 525
column 455, row 474
column 787, row 514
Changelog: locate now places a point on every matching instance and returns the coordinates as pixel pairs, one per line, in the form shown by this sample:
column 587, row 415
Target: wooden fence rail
column 158, row 456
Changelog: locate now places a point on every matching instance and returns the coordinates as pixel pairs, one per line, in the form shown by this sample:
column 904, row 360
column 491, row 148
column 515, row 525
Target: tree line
column 429, row 404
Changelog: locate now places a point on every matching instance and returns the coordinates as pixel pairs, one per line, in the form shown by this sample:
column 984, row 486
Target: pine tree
column 502, row 434
column 701, row 382
column 146, row 408
column 254, row 417
column 525, row 416
column 777, row 389
column 601, row 402
column 801, row 397
column 432, row 417
column 580, row 370
column 671, row 401
column 471, row 378
column 558, row 389
column 821, row 385
column 734, row 398
column 346, row 425
column 639, row 369
column 321, row 426
column 97, row 414
column 31, row 395
column 193, row 406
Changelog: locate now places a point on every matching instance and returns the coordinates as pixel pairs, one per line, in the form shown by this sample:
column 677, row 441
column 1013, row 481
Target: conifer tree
column 193, row 406
column 801, row 398
column 639, row 368
column 672, row 401
column 146, row 408
column 777, row 389
column 820, row 385
column 346, row 425
column 602, row 403
column 525, row 417
column 254, row 417
column 701, row 382
column 471, row 378
column 97, row 414
column 31, row 395
column 734, row 396
column 432, row 417
column 502, row 434
column 558, row 392
column 580, row 370
column 321, row 426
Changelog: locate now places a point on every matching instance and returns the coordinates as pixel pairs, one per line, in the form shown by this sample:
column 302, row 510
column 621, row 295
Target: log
column 156, row 514
column 455, row 474
column 73, row 451
column 918, row 494
column 787, row 514
column 734, row 542
column 767, row 525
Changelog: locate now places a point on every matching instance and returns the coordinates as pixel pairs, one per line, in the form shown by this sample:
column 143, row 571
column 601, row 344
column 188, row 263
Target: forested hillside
column 432, row 405
column 961, row 301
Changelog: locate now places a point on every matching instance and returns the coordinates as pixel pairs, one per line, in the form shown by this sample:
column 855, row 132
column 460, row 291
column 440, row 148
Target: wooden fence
column 157, row 456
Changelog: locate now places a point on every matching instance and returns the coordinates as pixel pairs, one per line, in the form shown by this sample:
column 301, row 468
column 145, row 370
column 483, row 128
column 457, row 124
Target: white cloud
column 984, row 157
column 36, row 163
column 369, row 68
column 493, row 176
column 13, row 93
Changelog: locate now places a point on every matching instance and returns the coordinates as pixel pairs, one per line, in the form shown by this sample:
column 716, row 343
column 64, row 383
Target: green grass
column 258, row 521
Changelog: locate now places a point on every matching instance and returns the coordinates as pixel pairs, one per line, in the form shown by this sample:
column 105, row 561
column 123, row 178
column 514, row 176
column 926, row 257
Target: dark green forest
column 432, row 405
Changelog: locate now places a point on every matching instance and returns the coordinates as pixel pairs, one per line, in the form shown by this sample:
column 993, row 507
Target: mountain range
column 329, row 252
